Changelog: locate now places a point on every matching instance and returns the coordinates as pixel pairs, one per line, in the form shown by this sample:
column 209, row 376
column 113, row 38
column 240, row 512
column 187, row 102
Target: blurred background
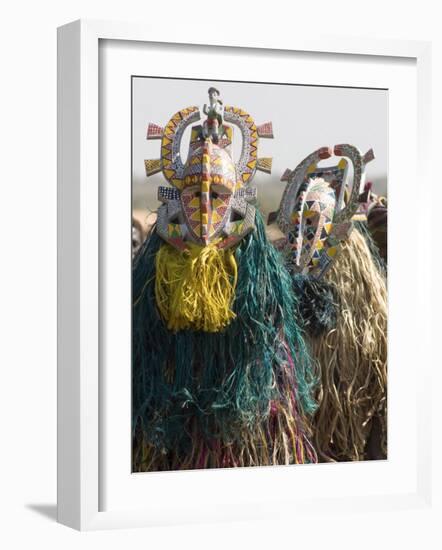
column 304, row 118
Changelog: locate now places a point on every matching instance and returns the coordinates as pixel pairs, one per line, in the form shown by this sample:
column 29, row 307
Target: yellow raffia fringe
column 195, row 290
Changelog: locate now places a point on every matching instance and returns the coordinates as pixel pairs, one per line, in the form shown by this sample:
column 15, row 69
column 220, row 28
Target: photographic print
column 259, row 280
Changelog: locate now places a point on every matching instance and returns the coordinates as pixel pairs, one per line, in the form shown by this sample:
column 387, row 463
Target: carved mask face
column 209, row 184
column 312, row 222
column 313, row 215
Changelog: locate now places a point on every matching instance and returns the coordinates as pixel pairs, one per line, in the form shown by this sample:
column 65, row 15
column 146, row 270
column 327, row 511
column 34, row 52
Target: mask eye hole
column 197, row 194
column 236, row 217
column 218, row 190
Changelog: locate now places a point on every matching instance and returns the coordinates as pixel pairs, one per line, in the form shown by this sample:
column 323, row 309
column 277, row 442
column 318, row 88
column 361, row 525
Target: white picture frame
column 80, row 208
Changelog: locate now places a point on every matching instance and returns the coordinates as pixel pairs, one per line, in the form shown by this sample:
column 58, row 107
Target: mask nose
column 205, row 205
column 206, row 214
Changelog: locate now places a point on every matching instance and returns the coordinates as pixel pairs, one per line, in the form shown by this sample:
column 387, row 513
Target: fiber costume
column 221, row 376
column 338, row 277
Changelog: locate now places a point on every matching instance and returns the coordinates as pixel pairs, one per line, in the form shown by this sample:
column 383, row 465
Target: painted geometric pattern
column 247, row 193
column 265, row 130
column 222, row 168
column 174, row 230
column 335, row 176
column 368, row 157
column 205, row 202
column 169, row 231
column 224, row 142
column 353, row 153
column 246, row 166
column 220, row 207
column 195, row 137
column 173, row 167
column 264, row 164
column 152, row 166
column 286, row 175
column 208, row 184
column 311, row 223
column 227, row 138
column 236, row 228
column 208, row 189
column 166, row 194
column 315, row 227
column 191, row 202
column 154, row 131
column 296, row 179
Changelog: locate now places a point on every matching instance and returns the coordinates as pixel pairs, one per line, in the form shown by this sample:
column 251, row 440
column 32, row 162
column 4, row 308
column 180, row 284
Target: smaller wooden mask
column 317, row 208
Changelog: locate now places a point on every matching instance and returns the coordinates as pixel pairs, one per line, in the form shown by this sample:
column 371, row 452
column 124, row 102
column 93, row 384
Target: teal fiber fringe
column 318, row 300
column 228, row 380
column 317, row 304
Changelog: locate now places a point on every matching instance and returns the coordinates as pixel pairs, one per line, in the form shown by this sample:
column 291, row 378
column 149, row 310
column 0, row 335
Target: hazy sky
column 304, row 119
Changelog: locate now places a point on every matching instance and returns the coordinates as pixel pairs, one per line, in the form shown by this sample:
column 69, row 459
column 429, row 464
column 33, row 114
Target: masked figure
column 221, row 376
column 338, row 277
